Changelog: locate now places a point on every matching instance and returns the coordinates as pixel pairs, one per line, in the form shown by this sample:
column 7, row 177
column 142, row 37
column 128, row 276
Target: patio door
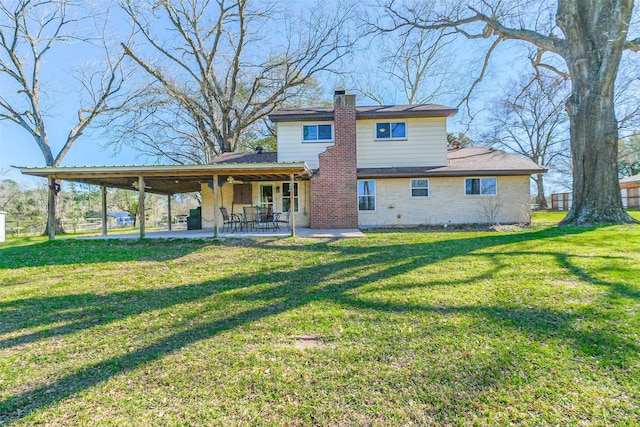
column 266, row 198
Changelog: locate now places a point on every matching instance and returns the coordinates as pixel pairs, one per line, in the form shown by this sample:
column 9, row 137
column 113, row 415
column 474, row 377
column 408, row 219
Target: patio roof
column 173, row 179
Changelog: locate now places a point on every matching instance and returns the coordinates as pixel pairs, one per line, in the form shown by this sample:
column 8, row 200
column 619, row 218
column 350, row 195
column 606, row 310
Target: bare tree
column 590, row 38
column 9, row 192
column 221, row 66
column 29, row 31
column 529, row 120
column 413, row 64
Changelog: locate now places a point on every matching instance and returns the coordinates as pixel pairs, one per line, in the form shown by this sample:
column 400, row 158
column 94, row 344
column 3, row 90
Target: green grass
column 532, row 327
column 552, row 217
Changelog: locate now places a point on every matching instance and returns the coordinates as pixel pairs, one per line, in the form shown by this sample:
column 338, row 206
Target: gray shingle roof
column 470, row 161
column 364, row 112
column 247, row 157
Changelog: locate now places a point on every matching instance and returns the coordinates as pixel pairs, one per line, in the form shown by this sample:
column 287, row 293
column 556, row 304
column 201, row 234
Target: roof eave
column 441, row 172
column 301, row 117
column 142, row 170
column 406, row 114
column 308, row 117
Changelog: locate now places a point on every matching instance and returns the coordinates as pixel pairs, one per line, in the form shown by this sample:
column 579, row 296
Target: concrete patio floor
column 207, row 233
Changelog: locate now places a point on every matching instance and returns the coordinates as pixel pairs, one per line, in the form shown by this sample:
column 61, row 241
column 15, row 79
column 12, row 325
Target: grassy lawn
column 533, row 327
column 551, row 217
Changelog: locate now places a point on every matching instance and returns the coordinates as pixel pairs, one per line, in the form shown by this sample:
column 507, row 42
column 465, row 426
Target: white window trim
column 375, row 132
column 282, row 196
column 375, row 197
column 464, row 186
column 411, row 196
column 313, row 141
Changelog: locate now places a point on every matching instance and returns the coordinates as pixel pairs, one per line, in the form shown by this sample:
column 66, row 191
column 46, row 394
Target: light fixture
column 232, row 180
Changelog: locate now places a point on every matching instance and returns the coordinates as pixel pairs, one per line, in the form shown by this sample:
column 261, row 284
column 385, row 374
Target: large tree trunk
column 594, row 150
column 54, row 213
column 595, row 38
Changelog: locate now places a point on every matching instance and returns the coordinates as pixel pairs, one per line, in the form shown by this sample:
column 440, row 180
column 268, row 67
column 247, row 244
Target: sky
column 60, row 99
column 17, row 147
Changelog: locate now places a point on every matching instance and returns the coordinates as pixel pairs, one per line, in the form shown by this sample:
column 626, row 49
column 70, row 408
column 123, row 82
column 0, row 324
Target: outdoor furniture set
column 253, row 219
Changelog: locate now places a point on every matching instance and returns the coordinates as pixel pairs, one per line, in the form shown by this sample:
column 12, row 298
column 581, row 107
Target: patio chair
column 230, row 222
column 250, row 220
column 283, row 218
column 267, row 219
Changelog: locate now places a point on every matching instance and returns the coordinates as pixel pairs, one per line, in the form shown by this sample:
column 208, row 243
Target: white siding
column 292, row 149
column 448, row 204
column 426, row 144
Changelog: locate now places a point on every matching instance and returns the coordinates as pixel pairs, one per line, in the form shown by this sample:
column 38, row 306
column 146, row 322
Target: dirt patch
column 308, row 341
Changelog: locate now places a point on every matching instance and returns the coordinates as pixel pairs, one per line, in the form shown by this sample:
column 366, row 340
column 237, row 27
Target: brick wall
column 334, row 192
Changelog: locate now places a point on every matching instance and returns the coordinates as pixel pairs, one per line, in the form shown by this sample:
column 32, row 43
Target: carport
column 168, row 180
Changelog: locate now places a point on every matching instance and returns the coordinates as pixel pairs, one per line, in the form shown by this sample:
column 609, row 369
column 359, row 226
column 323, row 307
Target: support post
column 51, row 211
column 169, row 197
column 141, row 204
column 216, row 207
column 292, row 206
column 103, row 194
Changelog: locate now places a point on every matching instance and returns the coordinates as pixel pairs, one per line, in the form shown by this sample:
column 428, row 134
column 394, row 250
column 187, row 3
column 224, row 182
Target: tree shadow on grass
column 72, row 251
column 295, row 288
column 80, row 311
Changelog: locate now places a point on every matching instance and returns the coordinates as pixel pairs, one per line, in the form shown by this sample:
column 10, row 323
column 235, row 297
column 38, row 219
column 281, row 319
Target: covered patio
column 176, row 179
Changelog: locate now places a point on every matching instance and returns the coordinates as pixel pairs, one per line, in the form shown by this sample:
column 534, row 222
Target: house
column 629, row 192
column 342, row 167
column 380, row 166
column 630, row 189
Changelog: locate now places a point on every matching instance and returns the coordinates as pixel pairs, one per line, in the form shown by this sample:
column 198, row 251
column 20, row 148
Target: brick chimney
column 334, row 188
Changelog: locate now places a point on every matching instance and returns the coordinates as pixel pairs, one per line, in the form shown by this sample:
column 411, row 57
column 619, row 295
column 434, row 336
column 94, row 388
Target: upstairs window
column 317, row 133
column 481, row 186
column 391, row 130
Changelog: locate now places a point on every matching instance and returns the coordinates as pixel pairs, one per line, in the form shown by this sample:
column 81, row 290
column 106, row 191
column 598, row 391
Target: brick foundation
column 334, row 191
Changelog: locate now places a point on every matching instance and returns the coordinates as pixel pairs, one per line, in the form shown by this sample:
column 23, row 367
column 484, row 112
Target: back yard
column 534, row 326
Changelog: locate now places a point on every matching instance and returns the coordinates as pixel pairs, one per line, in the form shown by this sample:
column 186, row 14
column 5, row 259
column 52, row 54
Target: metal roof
column 172, row 179
column 630, row 179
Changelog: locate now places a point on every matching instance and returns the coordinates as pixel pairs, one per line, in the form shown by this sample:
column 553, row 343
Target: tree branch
column 633, row 45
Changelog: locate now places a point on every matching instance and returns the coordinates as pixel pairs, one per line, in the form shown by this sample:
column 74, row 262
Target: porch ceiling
column 172, row 179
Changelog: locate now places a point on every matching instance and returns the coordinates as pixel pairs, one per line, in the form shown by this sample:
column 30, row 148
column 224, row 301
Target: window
column 481, row 186
column 286, row 197
column 419, row 188
column 392, row 130
column 317, row 133
column 366, row 195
